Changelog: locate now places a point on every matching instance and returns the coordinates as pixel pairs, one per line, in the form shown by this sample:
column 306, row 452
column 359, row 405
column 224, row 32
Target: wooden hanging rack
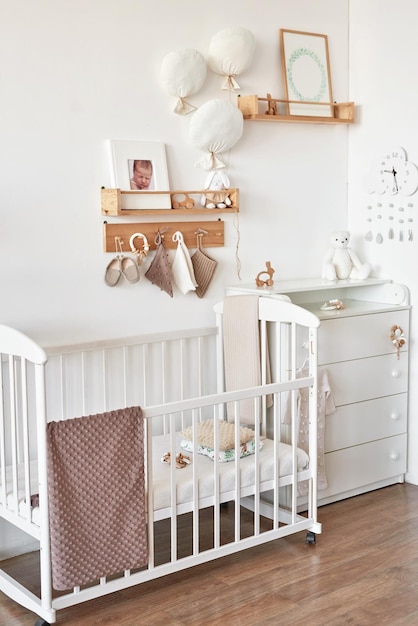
column 213, row 236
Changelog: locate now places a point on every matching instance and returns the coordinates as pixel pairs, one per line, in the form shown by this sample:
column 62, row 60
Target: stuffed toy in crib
column 341, row 262
column 214, row 195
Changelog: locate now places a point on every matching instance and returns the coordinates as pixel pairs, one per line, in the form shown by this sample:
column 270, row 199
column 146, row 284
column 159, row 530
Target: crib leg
column 310, row 537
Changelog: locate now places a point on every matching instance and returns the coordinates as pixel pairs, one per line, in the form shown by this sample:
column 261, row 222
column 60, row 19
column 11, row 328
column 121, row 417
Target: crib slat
column 104, row 378
column 83, row 383
column 313, row 423
column 294, row 434
column 173, row 521
column 257, row 463
column 216, row 486
column 2, row 436
column 144, row 369
column 63, row 394
column 148, row 460
column 125, row 375
column 13, row 432
column 25, row 433
column 45, row 549
column 276, row 438
column 237, row 511
column 195, row 496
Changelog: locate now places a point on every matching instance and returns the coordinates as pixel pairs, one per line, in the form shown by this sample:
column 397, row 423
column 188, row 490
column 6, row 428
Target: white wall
column 383, row 52
column 74, row 74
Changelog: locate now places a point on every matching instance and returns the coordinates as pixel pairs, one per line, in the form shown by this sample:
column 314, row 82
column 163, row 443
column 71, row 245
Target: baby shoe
column 113, row 272
column 130, row 269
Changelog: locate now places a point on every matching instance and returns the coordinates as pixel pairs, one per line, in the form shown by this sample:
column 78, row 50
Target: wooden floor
column 363, row 570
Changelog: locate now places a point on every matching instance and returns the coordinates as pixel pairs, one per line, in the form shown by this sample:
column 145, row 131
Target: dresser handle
column 396, row 374
column 398, row 339
column 395, row 456
column 394, row 416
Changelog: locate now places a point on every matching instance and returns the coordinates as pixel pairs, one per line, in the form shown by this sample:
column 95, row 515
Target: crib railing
column 152, row 369
column 223, row 522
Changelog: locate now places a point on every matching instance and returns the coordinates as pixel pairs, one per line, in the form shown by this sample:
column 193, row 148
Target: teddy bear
column 214, row 195
column 341, row 262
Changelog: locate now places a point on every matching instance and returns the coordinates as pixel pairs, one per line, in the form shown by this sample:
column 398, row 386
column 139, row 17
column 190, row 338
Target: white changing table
column 366, row 438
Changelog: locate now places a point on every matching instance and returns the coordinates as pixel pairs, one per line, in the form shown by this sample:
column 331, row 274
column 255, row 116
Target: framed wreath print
column 306, row 73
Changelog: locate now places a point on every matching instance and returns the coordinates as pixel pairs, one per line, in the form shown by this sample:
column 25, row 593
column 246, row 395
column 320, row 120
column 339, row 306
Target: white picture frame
column 306, row 73
column 153, row 173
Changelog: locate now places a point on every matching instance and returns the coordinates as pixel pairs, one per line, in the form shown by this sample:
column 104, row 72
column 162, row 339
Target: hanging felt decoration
column 183, row 74
column 230, row 53
column 159, row 272
column 182, row 268
column 215, row 128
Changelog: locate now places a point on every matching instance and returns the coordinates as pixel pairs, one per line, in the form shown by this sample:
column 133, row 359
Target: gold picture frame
column 306, row 73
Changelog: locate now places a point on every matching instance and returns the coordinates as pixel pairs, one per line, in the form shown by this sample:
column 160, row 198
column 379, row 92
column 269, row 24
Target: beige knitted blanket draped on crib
column 96, row 496
column 242, row 352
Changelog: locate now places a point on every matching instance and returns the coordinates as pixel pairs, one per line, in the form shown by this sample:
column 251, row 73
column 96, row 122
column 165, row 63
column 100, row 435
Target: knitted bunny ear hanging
column 215, row 128
column 159, row 272
column 183, row 73
column 230, row 53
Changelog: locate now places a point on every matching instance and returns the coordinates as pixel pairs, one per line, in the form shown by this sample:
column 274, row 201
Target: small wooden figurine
column 186, row 202
column 272, row 105
column 269, row 282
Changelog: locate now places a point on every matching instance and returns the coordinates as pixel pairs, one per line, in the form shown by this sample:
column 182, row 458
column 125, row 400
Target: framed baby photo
column 140, row 166
column 306, row 73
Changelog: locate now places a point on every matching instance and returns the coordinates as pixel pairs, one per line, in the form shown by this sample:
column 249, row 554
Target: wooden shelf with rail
column 116, row 202
column 268, row 109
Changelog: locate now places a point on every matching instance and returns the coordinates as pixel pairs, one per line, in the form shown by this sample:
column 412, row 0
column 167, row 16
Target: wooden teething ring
column 140, row 254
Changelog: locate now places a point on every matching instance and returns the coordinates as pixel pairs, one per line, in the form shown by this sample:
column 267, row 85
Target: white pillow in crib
column 205, row 434
column 224, row 455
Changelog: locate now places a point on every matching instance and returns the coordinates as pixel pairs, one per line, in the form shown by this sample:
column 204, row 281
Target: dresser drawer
column 363, row 465
column 358, row 423
column 359, row 336
column 365, row 379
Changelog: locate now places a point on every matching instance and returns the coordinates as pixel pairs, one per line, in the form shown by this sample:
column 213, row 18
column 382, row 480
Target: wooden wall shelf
column 276, row 110
column 213, row 237
column 116, row 202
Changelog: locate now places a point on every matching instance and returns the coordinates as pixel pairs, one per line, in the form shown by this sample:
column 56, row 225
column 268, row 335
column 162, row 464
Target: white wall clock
column 392, row 174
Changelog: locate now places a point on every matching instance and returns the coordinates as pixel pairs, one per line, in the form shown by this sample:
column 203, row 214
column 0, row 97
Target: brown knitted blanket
column 96, row 496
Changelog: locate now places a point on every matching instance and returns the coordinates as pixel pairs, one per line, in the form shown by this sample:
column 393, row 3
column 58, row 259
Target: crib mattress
column 205, row 473
column 184, row 477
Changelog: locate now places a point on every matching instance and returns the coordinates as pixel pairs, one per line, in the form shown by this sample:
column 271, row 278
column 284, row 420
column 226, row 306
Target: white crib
column 176, row 378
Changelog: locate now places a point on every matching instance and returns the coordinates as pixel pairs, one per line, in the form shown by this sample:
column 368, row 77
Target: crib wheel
column 42, row 622
column 310, row 537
